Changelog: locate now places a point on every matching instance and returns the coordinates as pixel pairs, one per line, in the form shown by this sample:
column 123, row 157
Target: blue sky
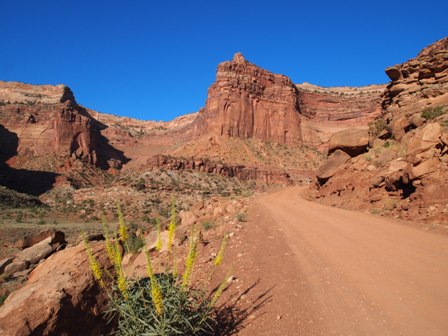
column 156, row 59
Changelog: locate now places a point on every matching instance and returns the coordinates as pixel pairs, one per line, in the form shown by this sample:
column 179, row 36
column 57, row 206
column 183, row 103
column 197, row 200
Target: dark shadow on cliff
column 24, row 181
column 107, row 153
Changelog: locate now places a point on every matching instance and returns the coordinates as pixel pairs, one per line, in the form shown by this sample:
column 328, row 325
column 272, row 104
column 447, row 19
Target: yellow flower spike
column 122, row 284
column 156, row 292
column 117, row 255
column 121, row 278
column 219, row 257
column 172, row 225
column 191, row 257
column 219, row 291
column 109, row 246
column 94, row 265
column 122, row 230
column 159, row 235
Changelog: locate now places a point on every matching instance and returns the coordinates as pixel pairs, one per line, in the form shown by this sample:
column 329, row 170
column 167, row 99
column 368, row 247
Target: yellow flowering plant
column 163, row 303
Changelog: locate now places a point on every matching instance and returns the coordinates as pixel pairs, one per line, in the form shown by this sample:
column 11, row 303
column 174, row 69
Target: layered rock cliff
column 326, row 111
column 47, row 121
column 249, row 102
column 419, row 82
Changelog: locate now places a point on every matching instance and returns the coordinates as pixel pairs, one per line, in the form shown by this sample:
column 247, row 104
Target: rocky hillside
column 400, row 169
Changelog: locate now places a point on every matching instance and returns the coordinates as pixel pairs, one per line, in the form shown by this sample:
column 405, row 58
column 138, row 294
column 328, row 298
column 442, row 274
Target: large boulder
column 56, row 237
column 61, row 297
column 329, row 168
column 36, row 252
column 352, row 141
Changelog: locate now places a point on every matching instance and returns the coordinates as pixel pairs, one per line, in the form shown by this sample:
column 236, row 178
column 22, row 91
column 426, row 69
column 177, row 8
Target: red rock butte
column 249, row 102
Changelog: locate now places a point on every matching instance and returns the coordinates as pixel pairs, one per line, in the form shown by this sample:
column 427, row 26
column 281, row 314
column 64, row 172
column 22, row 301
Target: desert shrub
column 431, row 113
column 241, row 217
column 140, row 185
column 207, row 225
column 19, row 217
column 377, row 126
column 163, row 303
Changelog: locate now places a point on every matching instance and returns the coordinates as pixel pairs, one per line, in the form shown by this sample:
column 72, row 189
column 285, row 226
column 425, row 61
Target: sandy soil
column 314, row 270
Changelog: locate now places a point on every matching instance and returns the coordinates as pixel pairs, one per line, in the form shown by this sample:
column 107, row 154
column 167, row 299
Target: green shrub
column 431, row 113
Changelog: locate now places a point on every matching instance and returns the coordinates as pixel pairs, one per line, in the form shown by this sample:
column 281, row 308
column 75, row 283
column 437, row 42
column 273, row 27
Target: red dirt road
column 328, row 271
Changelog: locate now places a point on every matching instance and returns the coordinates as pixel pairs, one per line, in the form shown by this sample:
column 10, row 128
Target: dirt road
column 318, row 270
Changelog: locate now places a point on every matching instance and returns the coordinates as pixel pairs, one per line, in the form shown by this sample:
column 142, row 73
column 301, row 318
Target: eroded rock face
column 46, row 121
column 419, row 82
column 249, row 102
column 60, row 298
column 329, row 110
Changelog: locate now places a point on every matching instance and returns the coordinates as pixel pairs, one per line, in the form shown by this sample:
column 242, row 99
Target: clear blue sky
column 156, row 59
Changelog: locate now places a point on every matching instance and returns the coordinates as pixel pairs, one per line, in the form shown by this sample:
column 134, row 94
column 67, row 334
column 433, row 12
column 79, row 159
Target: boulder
column 60, row 298
column 36, row 252
column 151, row 240
column 334, row 161
column 188, row 218
column 352, row 141
column 56, row 237
column 5, row 262
column 424, row 139
column 16, row 266
column 423, row 168
column 399, row 127
column 393, row 73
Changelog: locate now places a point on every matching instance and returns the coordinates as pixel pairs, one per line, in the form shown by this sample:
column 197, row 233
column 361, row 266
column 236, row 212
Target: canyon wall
column 47, row 122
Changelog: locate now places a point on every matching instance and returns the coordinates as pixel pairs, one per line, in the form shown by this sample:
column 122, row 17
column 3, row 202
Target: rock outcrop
column 352, row 141
column 60, row 298
column 46, row 121
column 419, row 82
column 402, row 173
column 247, row 101
column 241, row 172
column 326, row 111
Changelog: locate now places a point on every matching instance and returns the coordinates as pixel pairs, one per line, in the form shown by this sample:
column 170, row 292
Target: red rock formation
column 249, row 102
column 330, row 110
column 419, row 82
column 402, row 177
column 48, row 122
column 60, row 297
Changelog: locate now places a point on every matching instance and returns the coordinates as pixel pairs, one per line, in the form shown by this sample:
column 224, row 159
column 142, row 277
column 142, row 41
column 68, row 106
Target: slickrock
column 60, row 298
